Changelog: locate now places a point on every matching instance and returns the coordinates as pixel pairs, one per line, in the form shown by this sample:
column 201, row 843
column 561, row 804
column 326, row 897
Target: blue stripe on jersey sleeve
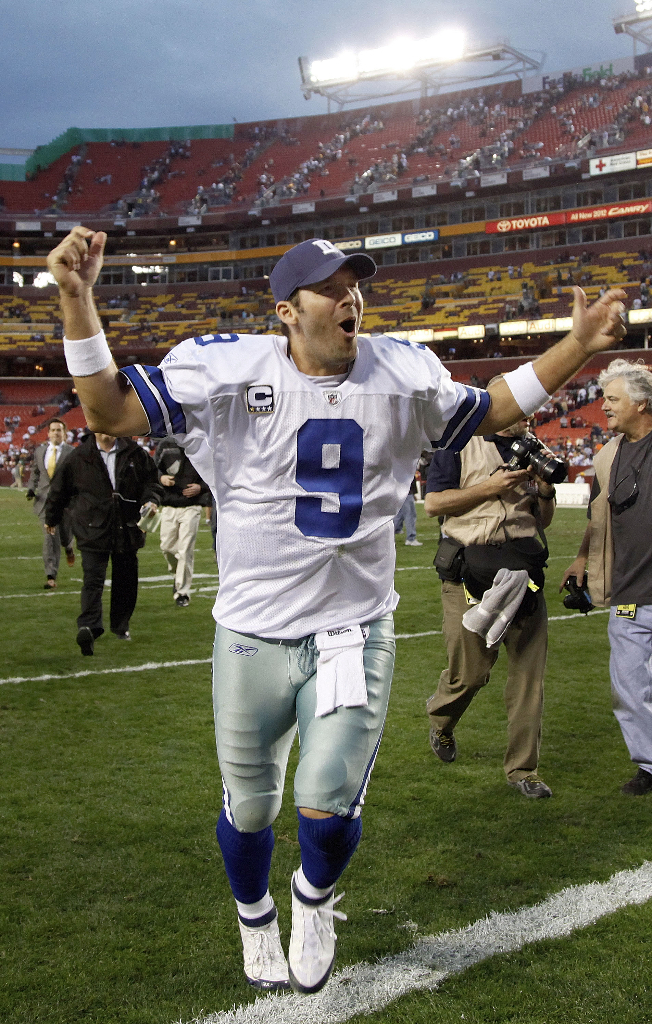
column 466, row 420
column 216, row 339
column 164, row 414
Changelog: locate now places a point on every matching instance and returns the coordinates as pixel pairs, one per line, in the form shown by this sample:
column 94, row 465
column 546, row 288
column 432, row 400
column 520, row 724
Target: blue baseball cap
column 313, row 261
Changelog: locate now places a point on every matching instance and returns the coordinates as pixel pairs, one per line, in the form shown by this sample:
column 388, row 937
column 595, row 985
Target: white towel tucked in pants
column 340, row 669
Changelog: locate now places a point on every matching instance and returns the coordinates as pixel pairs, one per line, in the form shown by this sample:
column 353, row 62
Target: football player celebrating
column 309, row 441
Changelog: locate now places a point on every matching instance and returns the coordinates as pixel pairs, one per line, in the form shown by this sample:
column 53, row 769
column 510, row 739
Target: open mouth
column 349, row 326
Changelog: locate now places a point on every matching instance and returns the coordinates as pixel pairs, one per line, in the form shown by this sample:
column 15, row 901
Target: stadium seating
column 266, row 147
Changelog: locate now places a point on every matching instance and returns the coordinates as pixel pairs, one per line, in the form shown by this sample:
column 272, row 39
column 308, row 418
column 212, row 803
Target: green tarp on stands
column 43, row 156
column 12, row 172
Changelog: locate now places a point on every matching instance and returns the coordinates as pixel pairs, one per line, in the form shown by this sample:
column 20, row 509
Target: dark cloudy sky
column 142, row 63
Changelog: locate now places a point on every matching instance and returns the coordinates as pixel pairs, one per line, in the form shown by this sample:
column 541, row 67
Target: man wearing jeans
column 407, row 514
column 617, row 547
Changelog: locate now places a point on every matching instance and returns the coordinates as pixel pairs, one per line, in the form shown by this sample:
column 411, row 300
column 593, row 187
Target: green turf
column 114, row 906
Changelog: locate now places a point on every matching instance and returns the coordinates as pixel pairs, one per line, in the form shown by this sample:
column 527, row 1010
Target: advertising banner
column 625, row 209
column 524, row 223
column 424, row 190
column 611, row 164
column 530, row 173
column 429, row 235
column 383, row 241
column 386, row 197
column 494, row 178
column 350, row 243
column 471, row 331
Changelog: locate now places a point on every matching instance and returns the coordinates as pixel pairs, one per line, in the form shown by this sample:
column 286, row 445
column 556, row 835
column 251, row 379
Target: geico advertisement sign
column 383, row 241
column 420, row 236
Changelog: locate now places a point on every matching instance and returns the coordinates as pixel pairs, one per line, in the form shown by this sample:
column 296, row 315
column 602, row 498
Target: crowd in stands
column 300, row 181
column 463, row 135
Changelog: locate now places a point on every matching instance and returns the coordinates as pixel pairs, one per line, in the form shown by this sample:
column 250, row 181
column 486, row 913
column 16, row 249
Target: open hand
column 599, row 326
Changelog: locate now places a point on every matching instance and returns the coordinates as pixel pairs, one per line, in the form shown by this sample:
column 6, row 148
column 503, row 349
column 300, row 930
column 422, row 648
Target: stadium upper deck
column 450, row 194
column 448, row 140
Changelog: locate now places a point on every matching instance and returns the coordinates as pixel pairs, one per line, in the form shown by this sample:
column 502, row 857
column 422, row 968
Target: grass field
column 115, row 907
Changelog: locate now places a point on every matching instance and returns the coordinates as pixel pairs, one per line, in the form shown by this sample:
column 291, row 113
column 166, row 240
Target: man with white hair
column 616, row 546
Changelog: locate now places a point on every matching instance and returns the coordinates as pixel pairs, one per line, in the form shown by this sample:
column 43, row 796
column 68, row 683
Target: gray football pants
column 631, row 681
column 262, row 691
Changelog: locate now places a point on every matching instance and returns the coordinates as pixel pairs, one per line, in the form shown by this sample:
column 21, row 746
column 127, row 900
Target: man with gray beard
column 496, row 516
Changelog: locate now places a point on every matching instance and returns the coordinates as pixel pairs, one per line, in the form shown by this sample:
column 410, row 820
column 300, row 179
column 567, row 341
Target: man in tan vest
column 485, row 504
column 617, row 547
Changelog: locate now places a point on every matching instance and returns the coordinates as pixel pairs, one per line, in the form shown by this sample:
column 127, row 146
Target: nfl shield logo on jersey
column 333, row 397
column 260, row 398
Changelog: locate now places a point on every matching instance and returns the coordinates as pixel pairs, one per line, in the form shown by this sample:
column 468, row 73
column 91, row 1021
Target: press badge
column 626, row 611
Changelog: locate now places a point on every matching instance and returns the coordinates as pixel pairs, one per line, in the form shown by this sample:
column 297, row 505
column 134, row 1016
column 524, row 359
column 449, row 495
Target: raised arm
column 110, row 405
column 595, row 328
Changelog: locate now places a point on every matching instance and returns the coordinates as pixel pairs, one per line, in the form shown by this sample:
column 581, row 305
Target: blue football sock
column 247, row 859
column 327, row 845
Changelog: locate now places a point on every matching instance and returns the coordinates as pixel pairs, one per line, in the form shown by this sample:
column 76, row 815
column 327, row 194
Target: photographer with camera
column 616, row 546
column 495, row 502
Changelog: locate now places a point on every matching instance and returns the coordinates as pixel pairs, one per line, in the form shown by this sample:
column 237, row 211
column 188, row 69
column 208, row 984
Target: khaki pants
column 178, row 536
column 469, row 665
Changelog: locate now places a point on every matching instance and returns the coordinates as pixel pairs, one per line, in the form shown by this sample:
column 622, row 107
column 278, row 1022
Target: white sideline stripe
column 365, row 988
column 72, row 593
column 414, row 636
column 150, row 666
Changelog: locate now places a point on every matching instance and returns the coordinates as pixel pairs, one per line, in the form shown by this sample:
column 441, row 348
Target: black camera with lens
column 529, row 451
column 578, row 597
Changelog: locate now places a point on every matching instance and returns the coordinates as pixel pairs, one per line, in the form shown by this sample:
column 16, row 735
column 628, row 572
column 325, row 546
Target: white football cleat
column 313, row 940
column 265, row 965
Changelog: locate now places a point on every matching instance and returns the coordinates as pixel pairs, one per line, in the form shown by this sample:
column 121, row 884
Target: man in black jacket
column 184, row 495
column 105, row 481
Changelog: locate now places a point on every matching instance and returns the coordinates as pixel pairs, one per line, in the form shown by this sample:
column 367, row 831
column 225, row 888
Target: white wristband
column 528, row 391
column 87, row 356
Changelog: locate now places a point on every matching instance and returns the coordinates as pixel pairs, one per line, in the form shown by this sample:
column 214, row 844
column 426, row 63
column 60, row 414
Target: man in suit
column 107, row 482
column 47, row 459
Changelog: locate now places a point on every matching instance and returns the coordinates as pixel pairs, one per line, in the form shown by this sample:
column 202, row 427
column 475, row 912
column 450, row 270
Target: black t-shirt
column 632, row 527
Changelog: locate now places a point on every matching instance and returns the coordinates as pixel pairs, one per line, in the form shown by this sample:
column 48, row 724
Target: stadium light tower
column 638, row 25
column 408, row 66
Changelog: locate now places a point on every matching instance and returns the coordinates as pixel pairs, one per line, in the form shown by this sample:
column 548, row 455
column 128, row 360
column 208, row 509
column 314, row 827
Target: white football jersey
column 306, row 480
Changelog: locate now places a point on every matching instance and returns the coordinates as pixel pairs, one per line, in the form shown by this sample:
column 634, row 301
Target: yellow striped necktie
column 52, row 462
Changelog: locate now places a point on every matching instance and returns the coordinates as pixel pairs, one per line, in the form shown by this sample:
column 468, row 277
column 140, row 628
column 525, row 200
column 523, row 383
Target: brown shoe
column 70, row 556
